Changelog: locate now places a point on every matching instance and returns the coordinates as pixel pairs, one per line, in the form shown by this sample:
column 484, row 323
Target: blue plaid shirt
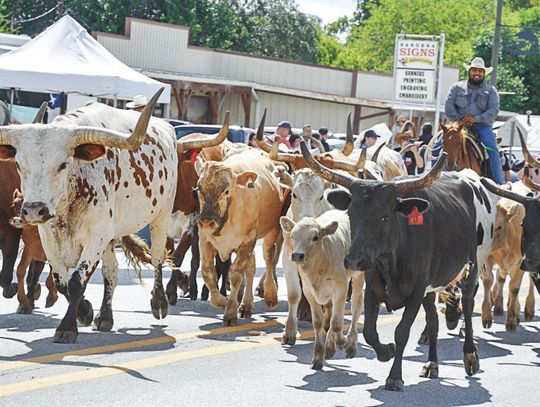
column 481, row 102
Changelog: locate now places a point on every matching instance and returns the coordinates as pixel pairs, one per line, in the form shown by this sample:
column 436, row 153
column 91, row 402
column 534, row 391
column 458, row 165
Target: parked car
column 237, row 134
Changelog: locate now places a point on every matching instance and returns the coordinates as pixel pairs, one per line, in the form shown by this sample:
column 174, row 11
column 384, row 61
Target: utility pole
column 496, row 43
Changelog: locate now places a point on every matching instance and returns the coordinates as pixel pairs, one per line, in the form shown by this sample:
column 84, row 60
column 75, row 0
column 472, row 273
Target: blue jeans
column 485, row 133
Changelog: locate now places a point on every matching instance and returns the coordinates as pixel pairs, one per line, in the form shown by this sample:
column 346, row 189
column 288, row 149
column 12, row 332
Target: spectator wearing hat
column 409, row 143
column 427, row 134
column 475, row 103
column 400, row 121
column 138, row 103
column 284, row 130
column 370, row 138
column 323, row 131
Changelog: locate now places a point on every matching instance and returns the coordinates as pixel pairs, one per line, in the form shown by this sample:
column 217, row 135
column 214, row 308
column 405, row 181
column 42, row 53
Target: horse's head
column 452, row 144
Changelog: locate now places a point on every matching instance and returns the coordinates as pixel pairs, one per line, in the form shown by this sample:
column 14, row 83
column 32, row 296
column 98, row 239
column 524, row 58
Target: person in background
column 400, row 121
column 138, row 103
column 307, row 130
column 475, row 103
column 323, row 131
column 294, row 140
column 284, row 130
column 412, row 159
column 427, row 134
column 505, row 162
column 252, row 140
column 313, row 144
column 370, row 138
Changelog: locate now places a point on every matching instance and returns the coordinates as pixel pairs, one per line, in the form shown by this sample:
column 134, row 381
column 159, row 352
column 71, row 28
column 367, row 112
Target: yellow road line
column 133, row 344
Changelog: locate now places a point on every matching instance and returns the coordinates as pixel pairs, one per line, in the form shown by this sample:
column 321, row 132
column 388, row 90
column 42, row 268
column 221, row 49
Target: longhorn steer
column 83, row 177
column 318, row 247
column 412, row 237
column 240, row 202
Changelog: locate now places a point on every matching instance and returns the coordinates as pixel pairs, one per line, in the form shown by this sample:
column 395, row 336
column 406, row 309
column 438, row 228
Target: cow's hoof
column 498, row 310
column 472, row 363
column 103, row 323
column 10, row 290
column 271, row 303
column 424, row 339
column 193, row 294
column 529, row 316
column 50, row 301
column 386, row 353
column 486, row 323
column 172, row 298
column 288, row 339
column 329, row 352
column 394, row 384
column 159, row 305
column 65, row 336
column 25, row 309
column 230, row 320
column 85, row 313
column 511, row 326
column 317, row 364
column 350, row 350
column 452, row 315
column 37, row 292
column 204, row 293
column 431, row 370
column 245, row 311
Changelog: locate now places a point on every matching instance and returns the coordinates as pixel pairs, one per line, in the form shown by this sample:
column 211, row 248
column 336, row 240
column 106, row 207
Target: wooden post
column 246, row 103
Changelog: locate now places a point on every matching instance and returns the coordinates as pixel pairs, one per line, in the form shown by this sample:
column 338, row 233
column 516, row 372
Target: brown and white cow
column 83, row 177
column 319, row 246
column 240, row 201
column 506, row 253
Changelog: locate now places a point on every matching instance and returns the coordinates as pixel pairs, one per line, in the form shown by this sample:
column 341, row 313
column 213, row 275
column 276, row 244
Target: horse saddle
column 477, row 148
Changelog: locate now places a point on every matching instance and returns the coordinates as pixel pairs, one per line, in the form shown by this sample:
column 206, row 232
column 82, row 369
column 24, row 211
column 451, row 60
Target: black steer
column 413, row 236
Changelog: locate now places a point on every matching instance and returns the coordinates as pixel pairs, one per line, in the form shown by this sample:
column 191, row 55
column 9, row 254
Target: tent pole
column 11, row 99
column 167, row 113
column 115, row 103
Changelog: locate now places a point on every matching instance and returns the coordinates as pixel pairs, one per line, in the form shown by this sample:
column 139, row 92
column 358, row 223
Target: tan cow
column 240, row 201
column 319, row 246
column 506, row 253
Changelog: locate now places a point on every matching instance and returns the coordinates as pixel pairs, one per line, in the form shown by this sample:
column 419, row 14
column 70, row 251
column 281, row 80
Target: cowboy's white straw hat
column 138, row 101
column 478, row 63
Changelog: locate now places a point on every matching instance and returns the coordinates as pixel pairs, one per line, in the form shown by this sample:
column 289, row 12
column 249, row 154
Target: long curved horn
column 425, row 180
column 318, row 142
column 528, row 158
column 326, row 173
column 263, row 145
column 361, row 164
column 111, row 138
column 349, row 142
column 375, row 156
column 40, row 114
column 529, row 183
column 431, row 144
column 490, row 185
column 197, row 144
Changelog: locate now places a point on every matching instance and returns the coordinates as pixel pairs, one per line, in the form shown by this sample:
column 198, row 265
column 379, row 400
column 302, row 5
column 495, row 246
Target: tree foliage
column 4, row 22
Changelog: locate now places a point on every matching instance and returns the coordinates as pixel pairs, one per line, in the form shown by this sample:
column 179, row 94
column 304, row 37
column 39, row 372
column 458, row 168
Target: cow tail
column 137, row 252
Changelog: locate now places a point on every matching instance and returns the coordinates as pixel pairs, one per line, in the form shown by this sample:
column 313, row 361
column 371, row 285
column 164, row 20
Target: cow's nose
column 207, row 223
column 298, row 257
column 35, row 212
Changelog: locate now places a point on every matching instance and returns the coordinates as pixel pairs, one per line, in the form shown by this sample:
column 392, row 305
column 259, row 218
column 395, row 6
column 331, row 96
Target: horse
column 463, row 149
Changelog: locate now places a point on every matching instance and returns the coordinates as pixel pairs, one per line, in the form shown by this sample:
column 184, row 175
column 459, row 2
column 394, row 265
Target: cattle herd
column 348, row 223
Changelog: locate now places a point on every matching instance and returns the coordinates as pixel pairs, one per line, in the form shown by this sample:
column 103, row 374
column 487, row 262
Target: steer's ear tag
column 415, row 217
column 194, row 155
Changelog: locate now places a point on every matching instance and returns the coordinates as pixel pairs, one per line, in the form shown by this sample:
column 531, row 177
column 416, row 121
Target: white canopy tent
column 66, row 58
column 529, row 126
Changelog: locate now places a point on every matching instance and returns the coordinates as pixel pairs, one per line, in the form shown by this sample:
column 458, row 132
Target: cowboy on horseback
column 475, row 103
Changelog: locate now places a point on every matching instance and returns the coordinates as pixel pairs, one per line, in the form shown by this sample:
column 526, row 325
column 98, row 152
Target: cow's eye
column 226, row 192
column 384, row 219
column 294, row 195
column 321, row 198
column 63, row 166
column 315, row 238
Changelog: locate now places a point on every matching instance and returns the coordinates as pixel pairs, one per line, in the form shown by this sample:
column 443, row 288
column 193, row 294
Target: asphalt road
column 189, row 358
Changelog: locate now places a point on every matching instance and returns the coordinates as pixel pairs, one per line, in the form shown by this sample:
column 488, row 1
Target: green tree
column 4, row 21
column 371, row 45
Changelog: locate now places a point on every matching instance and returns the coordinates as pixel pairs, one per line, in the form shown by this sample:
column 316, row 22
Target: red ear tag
column 194, row 155
column 415, row 217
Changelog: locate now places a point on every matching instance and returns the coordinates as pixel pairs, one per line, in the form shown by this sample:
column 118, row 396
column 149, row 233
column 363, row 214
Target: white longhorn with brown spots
column 91, row 176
